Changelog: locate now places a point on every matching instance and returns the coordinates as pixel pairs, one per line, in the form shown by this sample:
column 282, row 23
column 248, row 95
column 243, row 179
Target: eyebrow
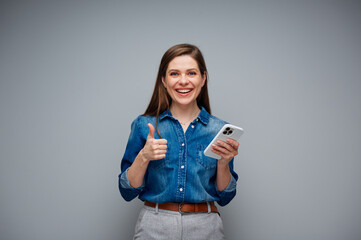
column 191, row 69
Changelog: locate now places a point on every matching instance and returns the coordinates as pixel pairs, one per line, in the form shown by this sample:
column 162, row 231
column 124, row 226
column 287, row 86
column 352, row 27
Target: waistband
column 185, row 207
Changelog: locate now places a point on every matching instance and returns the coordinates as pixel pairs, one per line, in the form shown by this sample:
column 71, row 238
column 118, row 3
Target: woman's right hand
column 154, row 149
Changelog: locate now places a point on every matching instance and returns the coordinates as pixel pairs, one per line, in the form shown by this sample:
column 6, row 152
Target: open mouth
column 184, row 91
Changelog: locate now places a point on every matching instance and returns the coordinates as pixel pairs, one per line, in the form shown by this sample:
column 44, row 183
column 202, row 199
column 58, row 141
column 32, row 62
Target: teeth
column 183, row 91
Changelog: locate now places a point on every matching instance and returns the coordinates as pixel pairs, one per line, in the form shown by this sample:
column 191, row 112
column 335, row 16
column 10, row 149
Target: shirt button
column 182, row 166
column 182, row 144
column 181, row 189
column 192, row 126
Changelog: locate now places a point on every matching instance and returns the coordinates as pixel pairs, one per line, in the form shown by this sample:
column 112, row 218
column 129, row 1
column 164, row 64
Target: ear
column 163, row 81
column 204, row 78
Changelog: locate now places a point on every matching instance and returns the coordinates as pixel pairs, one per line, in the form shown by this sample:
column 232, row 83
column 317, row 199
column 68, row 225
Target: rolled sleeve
column 134, row 145
column 229, row 192
column 232, row 186
column 128, row 192
column 124, row 181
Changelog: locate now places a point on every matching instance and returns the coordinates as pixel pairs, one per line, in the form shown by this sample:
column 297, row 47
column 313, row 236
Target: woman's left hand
column 227, row 150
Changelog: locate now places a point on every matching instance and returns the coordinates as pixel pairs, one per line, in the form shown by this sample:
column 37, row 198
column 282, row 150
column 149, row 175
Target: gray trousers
column 163, row 224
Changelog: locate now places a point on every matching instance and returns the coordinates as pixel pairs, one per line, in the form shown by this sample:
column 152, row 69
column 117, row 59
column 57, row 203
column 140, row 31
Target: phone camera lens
column 230, row 132
column 225, row 132
column 228, row 128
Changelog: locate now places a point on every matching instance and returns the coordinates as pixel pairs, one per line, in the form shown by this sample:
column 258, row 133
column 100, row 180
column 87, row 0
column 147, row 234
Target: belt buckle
column 180, row 208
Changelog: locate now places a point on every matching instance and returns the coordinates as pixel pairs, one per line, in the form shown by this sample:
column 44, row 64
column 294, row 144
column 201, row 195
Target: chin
column 185, row 103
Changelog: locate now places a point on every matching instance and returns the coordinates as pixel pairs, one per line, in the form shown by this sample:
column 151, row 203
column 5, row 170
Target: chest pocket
column 157, row 164
column 206, row 162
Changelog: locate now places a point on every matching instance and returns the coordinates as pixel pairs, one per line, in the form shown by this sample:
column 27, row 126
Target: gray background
column 74, row 74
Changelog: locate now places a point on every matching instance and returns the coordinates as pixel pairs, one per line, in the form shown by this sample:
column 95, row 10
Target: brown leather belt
column 184, row 207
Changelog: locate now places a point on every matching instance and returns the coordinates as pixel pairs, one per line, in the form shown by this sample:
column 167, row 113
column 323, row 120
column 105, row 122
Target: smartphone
column 227, row 131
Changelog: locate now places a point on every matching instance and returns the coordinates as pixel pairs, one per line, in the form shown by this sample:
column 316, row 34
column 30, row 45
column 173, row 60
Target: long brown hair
column 161, row 100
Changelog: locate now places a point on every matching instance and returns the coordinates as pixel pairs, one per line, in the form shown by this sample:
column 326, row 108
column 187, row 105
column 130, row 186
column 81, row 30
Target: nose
column 183, row 79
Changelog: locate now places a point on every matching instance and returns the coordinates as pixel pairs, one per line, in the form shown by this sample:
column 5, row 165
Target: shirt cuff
column 124, row 181
column 231, row 187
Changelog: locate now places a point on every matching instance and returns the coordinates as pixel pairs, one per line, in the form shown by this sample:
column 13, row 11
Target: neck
column 184, row 113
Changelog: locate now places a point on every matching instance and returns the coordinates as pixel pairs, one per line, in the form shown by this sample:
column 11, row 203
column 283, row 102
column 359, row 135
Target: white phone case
column 227, row 131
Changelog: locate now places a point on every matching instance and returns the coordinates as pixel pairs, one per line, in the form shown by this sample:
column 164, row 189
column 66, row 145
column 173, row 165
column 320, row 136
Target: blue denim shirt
column 185, row 174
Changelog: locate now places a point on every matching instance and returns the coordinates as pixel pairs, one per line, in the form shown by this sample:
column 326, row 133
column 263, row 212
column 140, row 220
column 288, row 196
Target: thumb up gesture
column 154, row 149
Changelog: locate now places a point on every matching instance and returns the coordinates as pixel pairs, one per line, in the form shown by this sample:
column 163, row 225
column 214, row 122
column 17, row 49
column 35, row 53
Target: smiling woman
column 184, row 82
column 161, row 100
column 165, row 166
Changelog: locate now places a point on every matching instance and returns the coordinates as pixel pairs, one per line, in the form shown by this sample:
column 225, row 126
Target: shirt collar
column 203, row 115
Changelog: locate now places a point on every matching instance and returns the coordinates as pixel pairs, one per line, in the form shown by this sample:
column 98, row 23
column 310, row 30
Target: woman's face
column 183, row 80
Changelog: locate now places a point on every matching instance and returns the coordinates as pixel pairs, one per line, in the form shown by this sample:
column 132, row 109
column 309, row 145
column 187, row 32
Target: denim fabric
column 185, row 174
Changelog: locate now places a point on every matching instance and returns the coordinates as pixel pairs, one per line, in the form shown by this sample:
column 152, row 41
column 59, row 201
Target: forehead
column 182, row 63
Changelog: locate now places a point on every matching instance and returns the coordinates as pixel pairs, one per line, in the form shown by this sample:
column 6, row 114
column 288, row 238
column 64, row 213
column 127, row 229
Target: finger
column 233, row 142
column 225, row 145
column 151, row 131
column 218, row 153
column 158, row 157
column 161, row 141
column 235, row 146
column 161, row 147
column 221, row 149
column 226, row 157
column 160, row 152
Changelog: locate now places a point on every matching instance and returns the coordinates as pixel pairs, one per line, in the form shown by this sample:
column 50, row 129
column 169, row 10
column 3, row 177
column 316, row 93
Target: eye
column 174, row 74
column 192, row 73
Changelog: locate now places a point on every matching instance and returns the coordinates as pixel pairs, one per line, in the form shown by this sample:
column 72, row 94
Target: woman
column 165, row 166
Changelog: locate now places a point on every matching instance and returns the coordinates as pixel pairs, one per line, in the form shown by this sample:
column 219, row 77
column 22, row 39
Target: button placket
column 180, row 192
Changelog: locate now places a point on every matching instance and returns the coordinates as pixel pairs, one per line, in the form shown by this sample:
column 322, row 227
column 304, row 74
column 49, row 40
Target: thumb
column 151, row 131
